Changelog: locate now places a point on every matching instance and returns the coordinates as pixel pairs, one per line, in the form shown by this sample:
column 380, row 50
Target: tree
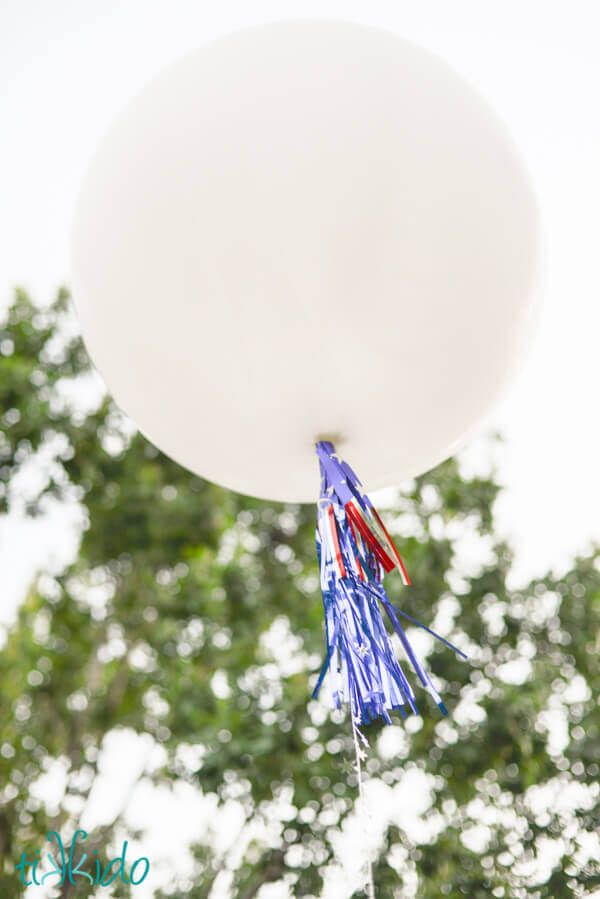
column 194, row 615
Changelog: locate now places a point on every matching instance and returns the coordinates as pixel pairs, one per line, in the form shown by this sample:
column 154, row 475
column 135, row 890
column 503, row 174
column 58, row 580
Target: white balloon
column 305, row 230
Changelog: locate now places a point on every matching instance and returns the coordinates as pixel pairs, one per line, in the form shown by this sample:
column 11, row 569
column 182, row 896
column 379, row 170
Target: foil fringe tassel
column 355, row 551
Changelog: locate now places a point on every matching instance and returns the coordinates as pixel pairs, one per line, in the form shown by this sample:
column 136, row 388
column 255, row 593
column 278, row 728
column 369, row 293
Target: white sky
column 67, row 67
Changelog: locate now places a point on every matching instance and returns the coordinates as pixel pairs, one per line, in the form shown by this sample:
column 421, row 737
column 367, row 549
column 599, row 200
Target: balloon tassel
column 355, row 551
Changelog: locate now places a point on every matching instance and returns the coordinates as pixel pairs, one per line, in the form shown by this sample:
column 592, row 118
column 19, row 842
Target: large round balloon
column 303, row 231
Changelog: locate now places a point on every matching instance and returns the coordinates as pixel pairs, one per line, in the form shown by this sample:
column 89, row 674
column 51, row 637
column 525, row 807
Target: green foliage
column 177, row 579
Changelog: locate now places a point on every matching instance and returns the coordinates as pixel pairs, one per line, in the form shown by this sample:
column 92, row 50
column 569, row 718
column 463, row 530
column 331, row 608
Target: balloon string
column 359, row 755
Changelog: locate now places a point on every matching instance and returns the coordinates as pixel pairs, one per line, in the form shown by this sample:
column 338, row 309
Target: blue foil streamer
column 362, row 665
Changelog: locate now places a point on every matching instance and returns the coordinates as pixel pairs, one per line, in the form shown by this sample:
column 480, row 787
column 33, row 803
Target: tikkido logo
column 67, row 869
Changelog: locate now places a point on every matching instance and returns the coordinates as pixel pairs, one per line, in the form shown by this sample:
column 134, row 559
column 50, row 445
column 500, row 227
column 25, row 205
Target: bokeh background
column 161, row 635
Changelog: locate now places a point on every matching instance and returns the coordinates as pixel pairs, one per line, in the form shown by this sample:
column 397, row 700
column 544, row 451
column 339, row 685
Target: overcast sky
column 66, row 67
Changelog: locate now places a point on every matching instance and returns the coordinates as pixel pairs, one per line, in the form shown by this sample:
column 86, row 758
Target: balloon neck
column 334, row 438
